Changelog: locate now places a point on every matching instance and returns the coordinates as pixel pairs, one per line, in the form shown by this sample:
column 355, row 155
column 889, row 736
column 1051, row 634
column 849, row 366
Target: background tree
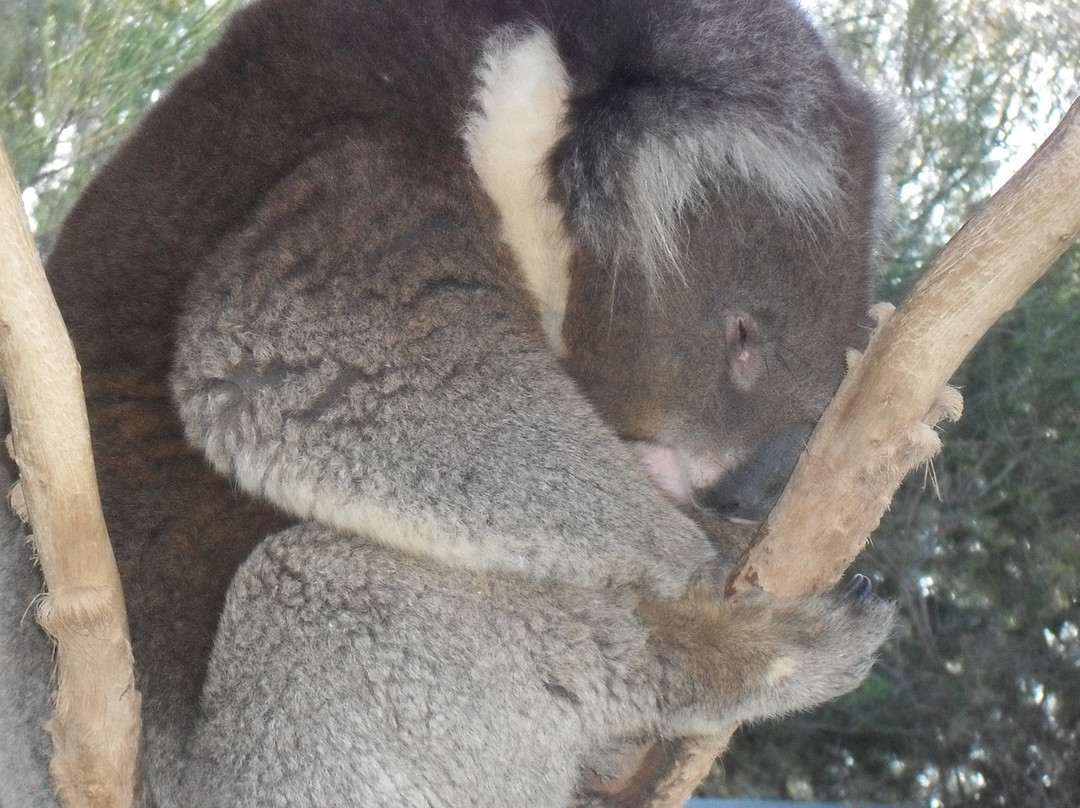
column 978, row 700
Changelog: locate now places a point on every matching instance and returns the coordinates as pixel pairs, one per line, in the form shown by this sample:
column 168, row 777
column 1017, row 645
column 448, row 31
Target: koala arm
column 360, row 353
column 458, row 687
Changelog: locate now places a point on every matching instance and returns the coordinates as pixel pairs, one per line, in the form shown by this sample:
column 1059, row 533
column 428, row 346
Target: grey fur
column 25, row 672
column 445, row 579
column 748, row 95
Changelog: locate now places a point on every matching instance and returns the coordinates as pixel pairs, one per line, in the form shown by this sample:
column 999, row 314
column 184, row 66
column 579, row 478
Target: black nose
column 749, row 491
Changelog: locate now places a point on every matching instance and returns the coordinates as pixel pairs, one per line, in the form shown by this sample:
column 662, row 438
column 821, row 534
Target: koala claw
column 860, row 588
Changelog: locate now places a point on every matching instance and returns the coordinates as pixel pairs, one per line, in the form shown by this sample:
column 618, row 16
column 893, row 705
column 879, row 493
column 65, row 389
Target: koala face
column 718, row 376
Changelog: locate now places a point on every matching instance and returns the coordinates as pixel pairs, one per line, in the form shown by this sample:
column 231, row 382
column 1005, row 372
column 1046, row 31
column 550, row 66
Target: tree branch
column 880, row 424
column 95, row 727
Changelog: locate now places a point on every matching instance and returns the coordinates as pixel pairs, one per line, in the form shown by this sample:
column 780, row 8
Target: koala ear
column 638, row 156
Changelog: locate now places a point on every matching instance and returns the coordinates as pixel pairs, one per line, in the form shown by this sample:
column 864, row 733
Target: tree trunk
column 880, row 424
column 95, row 726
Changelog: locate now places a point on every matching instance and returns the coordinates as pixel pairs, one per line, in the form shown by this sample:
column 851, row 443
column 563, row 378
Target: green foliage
column 992, row 570
column 976, row 85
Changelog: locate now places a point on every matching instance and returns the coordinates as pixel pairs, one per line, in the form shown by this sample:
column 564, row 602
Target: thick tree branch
column 880, row 424
column 95, row 727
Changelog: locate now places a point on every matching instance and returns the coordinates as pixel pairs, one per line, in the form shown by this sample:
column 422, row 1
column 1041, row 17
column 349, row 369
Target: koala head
column 724, row 206
column 721, row 205
column 718, row 374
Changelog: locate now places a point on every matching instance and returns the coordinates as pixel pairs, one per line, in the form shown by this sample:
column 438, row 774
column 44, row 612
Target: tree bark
column 95, row 726
column 880, row 424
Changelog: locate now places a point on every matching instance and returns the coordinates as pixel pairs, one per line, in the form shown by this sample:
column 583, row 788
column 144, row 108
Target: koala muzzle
column 749, row 491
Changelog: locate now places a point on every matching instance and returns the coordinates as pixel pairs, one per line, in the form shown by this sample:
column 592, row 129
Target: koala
column 434, row 354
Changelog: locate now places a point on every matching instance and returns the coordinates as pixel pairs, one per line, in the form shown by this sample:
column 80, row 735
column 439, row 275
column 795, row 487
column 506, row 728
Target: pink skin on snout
column 678, row 475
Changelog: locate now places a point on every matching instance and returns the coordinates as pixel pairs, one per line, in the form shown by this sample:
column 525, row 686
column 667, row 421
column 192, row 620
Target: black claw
column 859, row 589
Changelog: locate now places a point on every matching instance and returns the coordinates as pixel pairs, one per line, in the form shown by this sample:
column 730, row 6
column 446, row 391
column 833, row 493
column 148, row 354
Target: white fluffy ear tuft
column 518, row 118
column 628, row 195
column 674, row 175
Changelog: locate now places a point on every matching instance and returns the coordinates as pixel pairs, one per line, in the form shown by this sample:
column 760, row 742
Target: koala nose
column 748, row 492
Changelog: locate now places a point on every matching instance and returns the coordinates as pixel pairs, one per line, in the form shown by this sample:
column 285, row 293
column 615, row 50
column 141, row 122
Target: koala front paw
column 758, row 656
column 827, row 646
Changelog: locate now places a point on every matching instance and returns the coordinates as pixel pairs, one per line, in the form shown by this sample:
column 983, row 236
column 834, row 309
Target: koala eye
column 744, row 335
column 744, row 349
